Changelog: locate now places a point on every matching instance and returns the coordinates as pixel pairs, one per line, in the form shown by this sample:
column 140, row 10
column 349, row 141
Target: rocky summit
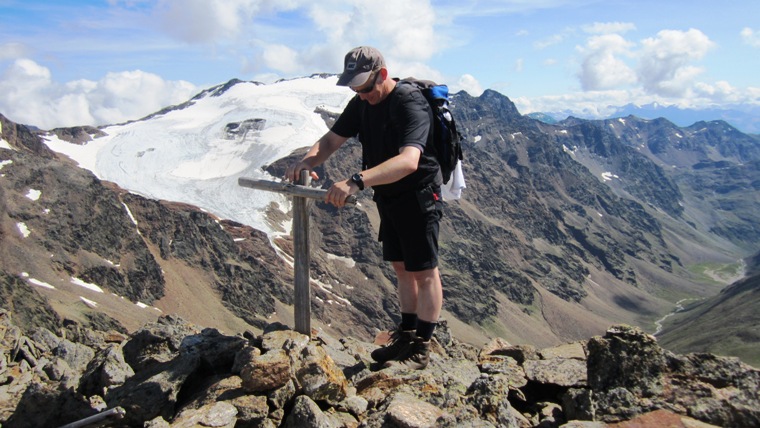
column 171, row 373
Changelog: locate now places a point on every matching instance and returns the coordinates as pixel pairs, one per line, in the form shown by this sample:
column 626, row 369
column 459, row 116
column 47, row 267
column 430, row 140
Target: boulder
column 266, row 372
column 106, row 370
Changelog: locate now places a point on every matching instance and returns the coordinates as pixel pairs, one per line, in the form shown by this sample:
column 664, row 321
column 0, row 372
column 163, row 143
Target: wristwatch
column 359, row 180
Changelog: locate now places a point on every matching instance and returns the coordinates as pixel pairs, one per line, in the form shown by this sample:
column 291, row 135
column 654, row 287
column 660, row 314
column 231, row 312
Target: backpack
column 447, row 141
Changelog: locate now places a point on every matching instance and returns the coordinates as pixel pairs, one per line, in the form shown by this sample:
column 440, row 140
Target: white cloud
column 318, row 43
column 665, row 61
column 205, row 21
column 602, row 67
column 722, row 92
column 405, row 32
column 282, row 58
column 609, row 27
column 751, row 37
column 12, row 50
column 391, row 26
column 664, row 66
column 469, row 84
column 417, row 70
column 519, row 65
column 554, row 39
column 582, row 104
column 30, row 96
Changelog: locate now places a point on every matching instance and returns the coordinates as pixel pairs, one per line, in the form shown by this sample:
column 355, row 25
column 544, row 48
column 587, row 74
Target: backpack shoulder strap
column 404, row 86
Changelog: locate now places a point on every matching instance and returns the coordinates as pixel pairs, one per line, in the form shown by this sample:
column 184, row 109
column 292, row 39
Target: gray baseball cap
column 359, row 64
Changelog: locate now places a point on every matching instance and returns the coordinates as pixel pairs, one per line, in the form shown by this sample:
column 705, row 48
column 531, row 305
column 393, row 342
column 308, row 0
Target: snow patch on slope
column 186, row 155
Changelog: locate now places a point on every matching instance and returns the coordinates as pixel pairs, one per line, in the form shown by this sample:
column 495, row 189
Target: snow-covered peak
column 196, row 154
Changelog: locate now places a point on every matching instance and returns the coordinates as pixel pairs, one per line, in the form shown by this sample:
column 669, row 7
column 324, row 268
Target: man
column 393, row 123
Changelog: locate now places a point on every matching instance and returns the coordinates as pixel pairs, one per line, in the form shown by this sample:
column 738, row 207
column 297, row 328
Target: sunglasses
column 369, row 88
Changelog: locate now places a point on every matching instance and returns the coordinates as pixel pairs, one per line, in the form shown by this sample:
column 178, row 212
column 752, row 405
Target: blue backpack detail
column 447, row 140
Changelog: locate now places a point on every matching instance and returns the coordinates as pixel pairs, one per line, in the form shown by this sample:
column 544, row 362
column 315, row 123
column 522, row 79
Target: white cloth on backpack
column 453, row 189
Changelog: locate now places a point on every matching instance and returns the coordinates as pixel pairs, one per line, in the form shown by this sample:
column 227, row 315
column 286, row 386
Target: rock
column 319, row 377
column 574, row 350
column 558, row 371
column 356, row 405
column 550, row 414
column 244, row 356
column 341, row 419
column 106, row 370
column 519, row 353
column 216, row 351
column 217, row 415
column 280, row 397
column 626, row 357
column 266, row 372
column 57, row 369
column 277, row 340
column 154, row 392
column 45, row 339
column 306, row 413
column 158, row 422
column 339, row 353
column 585, row 424
column 48, row 405
column 156, row 343
column 252, row 410
column 407, row 411
column 210, row 390
column 497, row 364
column 77, row 356
column 489, row 394
column 494, row 347
column 720, row 390
column 578, row 403
column 617, row 404
column 661, row 419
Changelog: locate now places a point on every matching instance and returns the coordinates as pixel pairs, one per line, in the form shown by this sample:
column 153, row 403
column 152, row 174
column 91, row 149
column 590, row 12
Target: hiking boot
column 400, row 340
column 416, row 357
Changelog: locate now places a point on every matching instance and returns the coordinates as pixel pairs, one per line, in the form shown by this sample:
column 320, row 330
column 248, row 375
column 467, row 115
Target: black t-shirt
column 402, row 119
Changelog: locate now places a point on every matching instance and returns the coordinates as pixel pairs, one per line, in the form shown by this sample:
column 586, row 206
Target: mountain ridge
column 743, row 117
column 541, row 240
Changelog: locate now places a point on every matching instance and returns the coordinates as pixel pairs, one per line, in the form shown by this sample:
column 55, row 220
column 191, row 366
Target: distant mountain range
column 745, row 117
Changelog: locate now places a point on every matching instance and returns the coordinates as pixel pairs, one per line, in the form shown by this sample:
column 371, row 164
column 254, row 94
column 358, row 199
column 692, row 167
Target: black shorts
column 409, row 228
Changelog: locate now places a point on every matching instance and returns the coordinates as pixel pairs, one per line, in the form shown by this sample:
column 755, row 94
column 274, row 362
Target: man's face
column 369, row 90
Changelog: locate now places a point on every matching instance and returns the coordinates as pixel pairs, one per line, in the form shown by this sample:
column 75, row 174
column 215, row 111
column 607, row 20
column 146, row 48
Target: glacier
column 185, row 154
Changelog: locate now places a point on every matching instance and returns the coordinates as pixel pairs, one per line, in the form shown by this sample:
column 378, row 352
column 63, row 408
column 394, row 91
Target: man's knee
column 427, row 277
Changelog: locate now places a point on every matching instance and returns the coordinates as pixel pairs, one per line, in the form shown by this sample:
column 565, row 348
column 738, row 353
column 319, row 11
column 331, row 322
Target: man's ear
column 384, row 73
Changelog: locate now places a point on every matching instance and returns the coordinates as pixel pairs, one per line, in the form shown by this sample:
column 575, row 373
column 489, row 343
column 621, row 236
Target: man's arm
column 390, row 171
column 317, row 155
column 395, row 168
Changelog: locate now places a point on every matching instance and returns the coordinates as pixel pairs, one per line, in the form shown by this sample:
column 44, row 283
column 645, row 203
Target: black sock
column 425, row 329
column 408, row 321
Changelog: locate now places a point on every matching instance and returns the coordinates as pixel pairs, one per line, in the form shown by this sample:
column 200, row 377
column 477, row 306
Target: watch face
column 357, row 178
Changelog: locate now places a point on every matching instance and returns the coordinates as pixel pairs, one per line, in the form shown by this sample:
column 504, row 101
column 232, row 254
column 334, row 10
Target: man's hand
column 293, row 173
column 340, row 191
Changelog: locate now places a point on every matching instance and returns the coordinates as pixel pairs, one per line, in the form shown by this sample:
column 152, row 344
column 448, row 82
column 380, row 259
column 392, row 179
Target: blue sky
column 66, row 63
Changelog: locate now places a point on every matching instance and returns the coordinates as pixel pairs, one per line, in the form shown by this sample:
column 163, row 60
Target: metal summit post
column 301, row 194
